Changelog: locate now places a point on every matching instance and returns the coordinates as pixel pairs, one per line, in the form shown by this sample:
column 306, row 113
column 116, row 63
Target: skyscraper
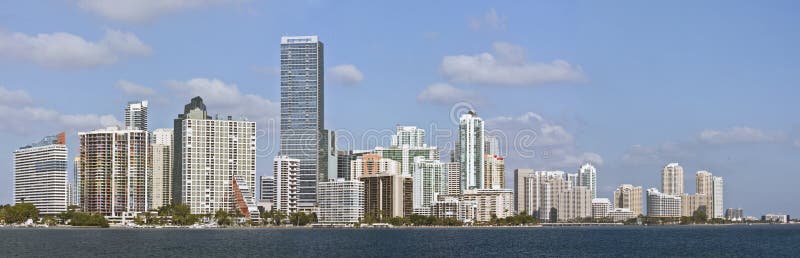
column 471, row 144
column 136, row 115
column 409, row 136
column 162, row 167
column 717, row 197
column 662, row 204
column 629, row 197
column 491, row 146
column 587, row 176
column 341, row 201
column 40, row 175
column 209, row 155
column 453, row 178
column 429, row 182
column 285, row 170
column 114, row 171
column 672, row 179
column 303, row 110
column 494, row 172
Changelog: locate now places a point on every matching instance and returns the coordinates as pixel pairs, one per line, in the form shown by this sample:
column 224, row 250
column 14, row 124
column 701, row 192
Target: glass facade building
column 302, row 111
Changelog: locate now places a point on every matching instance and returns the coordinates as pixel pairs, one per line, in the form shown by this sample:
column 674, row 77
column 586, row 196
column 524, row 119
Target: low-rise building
column 452, row 207
column 497, row 202
column 775, row 218
column 734, row 214
column 621, row 214
column 600, row 207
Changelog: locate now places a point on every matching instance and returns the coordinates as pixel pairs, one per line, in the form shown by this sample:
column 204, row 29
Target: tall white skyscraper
column 410, row 136
column 209, row 155
column 40, row 175
column 136, row 115
column 162, row 167
column 285, row 171
column 303, row 111
column 672, row 179
column 587, row 176
column 429, row 182
column 471, row 144
column 717, row 197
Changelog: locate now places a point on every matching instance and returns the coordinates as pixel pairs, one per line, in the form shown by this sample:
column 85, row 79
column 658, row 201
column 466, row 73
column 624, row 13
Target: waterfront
column 628, row 241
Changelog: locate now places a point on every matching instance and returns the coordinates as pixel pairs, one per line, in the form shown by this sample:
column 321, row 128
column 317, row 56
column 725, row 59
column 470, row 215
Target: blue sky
column 631, row 86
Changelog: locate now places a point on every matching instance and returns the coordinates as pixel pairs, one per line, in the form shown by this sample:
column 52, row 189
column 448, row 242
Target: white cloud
column 490, row 20
column 225, row 98
column 133, row 89
column 14, row 97
column 531, row 137
column 738, row 135
column 507, row 67
column 446, row 94
column 65, row 50
column 22, row 117
column 346, row 74
column 143, row 10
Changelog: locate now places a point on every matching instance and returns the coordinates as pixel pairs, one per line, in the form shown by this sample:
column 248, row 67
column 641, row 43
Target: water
column 714, row 241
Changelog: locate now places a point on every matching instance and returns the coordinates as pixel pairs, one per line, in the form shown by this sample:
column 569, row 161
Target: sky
column 627, row 85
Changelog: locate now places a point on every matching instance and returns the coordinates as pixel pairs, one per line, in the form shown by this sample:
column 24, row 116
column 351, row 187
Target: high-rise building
column 574, row 203
column 136, row 115
column 703, row 180
column 520, row 191
column 303, row 110
column 76, row 181
column 40, row 175
column 471, row 143
column 572, row 179
column 388, row 195
column 115, row 171
column 494, row 172
column 629, row 197
column 672, row 179
column 162, row 167
column 410, row 136
column 286, row 172
column 341, row 201
column 429, row 182
column 327, row 159
column 453, row 178
column 587, row 176
column 497, row 202
column 267, row 191
column 406, row 154
column 343, row 159
column 373, row 164
column 734, row 214
column 694, row 202
column 662, row 204
column 717, row 197
column 491, row 146
column 600, row 207
column 209, row 154
column 538, row 193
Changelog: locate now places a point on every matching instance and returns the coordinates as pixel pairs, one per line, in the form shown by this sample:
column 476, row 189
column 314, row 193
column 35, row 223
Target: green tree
column 222, row 217
column 19, row 213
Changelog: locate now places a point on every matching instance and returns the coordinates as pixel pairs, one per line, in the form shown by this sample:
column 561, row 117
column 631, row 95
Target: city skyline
column 737, row 143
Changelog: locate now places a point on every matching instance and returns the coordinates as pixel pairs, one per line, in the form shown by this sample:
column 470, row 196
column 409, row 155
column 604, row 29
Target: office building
column 672, row 179
column 491, row 146
column 114, row 172
column 470, row 146
column 136, row 115
column 208, row 155
column 328, row 160
column 303, row 110
column 451, row 207
column 498, row 202
column 285, row 171
column 410, row 136
column 341, row 202
column 453, row 178
column 600, row 207
column 373, row 164
column 494, row 172
column 162, row 167
column 267, row 191
column 388, row 195
column 662, row 205
column 429, row 182
column 587, row 176
column 629, row 197
column 40, row 175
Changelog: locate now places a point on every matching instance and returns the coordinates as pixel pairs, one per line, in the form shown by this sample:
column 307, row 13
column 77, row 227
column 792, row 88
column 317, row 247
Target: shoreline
column 394, row 227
